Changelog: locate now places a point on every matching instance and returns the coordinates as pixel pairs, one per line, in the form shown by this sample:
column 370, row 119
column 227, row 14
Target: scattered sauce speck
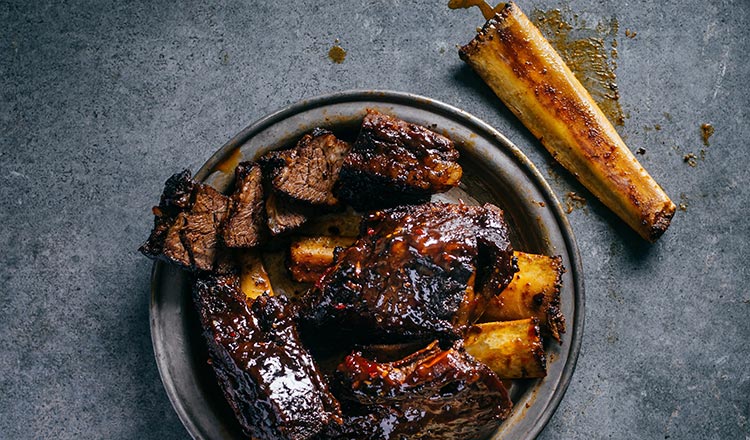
column 573, row 201
column 337, row 54
column 630, row 34
column 683, row 206
column 640, row 151
column 690, row 159
column 706, row 131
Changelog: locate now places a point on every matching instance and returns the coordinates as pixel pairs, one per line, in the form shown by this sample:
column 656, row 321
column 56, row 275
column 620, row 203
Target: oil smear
column 228, row 164
column 590, row 51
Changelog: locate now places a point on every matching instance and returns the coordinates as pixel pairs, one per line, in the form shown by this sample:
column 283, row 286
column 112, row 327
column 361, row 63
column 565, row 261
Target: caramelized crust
column 187, row 224
column 394, row 163
column 432, row 394
column 269, row 379
column 411, row 274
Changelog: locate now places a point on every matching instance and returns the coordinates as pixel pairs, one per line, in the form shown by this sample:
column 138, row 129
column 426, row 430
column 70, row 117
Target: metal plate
column 494, row 171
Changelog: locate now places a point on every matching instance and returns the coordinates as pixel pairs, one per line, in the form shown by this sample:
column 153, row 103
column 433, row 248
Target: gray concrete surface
column 102, row 100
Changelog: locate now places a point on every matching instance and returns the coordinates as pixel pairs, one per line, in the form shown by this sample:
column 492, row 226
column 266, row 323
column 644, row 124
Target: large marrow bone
column 522, row 68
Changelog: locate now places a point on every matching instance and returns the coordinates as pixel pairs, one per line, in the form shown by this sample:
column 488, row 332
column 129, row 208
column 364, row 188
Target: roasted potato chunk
column 512, row 349
column 254, row 280
column 534, row 292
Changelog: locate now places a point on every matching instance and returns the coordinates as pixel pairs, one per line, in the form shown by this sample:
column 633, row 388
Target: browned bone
column 522, row 68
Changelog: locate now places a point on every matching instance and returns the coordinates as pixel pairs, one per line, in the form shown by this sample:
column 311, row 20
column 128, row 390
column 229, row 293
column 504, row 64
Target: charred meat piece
column 269, row 379
column 245, row 225
column 176, row 198
column 432, row 394
column 394, row 162
column 187, row 223
column 308, row 171
column 417, row 272
column 285, row 215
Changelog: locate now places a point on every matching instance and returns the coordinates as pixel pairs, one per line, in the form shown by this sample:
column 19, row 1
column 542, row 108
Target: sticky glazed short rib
column 416, row 272
column 269, row 379
column 432, row 394
column 187, row 224
column 394, row 162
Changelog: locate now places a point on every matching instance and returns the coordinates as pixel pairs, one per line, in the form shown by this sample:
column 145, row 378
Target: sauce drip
column 487, row 10
column 590, row 52
column 706, row 131
column 228, row 165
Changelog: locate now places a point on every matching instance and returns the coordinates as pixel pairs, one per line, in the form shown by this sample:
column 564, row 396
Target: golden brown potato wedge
column 309, row 257
column 512, row 349
column 254, row 280
column 534, row 292
column 522, row 68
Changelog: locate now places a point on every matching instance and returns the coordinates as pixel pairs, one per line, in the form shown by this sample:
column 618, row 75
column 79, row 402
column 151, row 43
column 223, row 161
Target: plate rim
column 398, row 97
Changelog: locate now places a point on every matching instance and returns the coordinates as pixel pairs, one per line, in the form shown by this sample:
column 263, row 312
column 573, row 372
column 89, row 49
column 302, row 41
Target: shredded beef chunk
column 269, row 379
column 245, row 225
column 394, row 162
column 285, row 215
column 308, row 171
column 187, row 223
column 416, row 272
column 432, row 394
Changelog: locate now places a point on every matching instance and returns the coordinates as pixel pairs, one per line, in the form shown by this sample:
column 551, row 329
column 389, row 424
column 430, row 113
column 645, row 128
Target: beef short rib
column 432, row 394
column 394, row 162
column 267, row 376
column 416, row 272
column 245, row 226
column 187, row 223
